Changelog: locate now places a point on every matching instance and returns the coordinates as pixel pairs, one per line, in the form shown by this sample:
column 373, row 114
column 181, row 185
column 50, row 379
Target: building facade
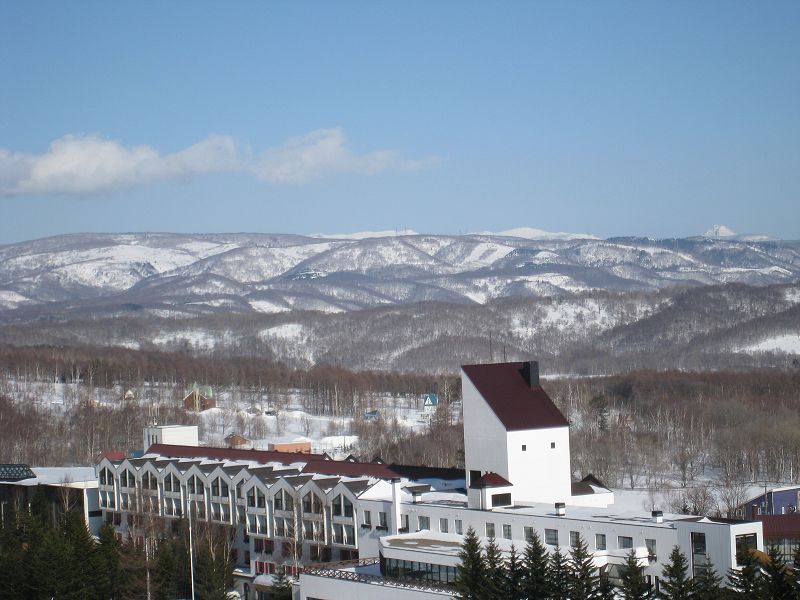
column 372, row 530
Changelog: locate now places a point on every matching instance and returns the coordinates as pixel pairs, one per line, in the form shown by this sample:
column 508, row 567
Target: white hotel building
column 376, row 531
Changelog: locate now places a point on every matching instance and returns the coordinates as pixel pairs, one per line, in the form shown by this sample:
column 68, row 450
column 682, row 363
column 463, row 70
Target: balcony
column 367, row 571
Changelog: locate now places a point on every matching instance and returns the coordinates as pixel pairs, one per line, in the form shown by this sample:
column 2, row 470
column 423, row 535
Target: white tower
column 513, row 428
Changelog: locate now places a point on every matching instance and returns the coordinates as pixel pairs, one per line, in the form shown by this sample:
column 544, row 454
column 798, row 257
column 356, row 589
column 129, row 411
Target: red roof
column 113, row 455
column 778, row 527
column 517, row 405
column 349, row 469
column 490, row 480
column 261, row 456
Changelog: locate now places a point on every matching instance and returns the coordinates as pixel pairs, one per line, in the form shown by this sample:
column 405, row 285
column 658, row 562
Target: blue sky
column 613, row 118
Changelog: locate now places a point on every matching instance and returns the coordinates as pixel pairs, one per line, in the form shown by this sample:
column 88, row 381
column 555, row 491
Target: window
column 651, row 549
column 506, row 531
column 574, row 539
column 745, row 543
column 459, row 527
column 404, row 523
column 474, row 476
column 367, row 519
column 501, row 500
column 624, row 542
column 552, row 445
column 336, row 509
column 219, row 487
column 551, row 537
column 490, row 530
column 348, row 507
column 699, row 558
column 528, row 533
column 308, row 530
column 424, row 523
column 350, row 535
column 338, row 533
column 382, row 521
column 524, row 447
column 443, row 525
column 600, row 541
column 280, row 527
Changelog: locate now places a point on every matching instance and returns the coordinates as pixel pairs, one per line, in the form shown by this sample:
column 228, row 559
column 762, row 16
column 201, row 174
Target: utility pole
column 191, row 551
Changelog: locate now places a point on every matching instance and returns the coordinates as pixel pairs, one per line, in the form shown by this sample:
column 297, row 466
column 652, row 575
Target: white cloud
column 323, row 152
column 87, row 164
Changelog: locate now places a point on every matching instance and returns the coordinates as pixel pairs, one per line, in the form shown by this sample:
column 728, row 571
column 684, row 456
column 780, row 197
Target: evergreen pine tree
column 777, row 581
column 676, row 583
column 108, row 553
column 605, row 589
column 11, row 557
column 559, row 575
column 133, row 575
column 471, row 577
column 581, row 578
column 707, row 584
column 536, row 580
column 282, row 588
column 634, row 585
column 81, row 560
column 745, row 583
column 515, row 575
column 164, row 572
column 495, row 572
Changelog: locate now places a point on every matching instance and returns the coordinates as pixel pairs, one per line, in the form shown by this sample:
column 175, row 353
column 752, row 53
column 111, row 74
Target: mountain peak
column 532, row 233
column 719, row 231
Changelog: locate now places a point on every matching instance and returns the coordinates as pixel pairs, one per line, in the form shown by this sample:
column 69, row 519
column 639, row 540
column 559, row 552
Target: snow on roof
column 76, row 477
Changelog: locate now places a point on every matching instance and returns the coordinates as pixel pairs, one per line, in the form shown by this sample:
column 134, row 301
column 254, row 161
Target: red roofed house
column 513, row 429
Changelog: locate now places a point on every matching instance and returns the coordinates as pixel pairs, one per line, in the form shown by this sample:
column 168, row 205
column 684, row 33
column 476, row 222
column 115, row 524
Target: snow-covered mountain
column 184, row 275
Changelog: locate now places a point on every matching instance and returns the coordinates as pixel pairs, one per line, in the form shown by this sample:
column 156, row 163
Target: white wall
column 177, row 435
column 484, row 434
column 720, row 540
column 540, row 473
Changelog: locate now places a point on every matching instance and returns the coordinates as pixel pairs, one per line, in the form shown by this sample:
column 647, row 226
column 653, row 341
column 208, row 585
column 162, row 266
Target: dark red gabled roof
column 261, row 456
column 490, row 480
column 518, row 405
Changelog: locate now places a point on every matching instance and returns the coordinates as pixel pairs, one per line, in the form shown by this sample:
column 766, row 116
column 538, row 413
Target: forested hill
column 188, row 275
column 423, row 303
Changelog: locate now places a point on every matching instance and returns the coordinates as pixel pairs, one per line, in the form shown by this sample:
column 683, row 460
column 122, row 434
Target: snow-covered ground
column 789, row 343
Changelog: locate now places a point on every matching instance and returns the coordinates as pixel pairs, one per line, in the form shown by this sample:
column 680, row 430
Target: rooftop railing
column 348, row 571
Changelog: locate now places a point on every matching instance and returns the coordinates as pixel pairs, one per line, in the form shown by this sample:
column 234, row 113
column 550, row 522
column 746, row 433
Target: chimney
column 530, row 373
column 395, row 505
column 658, row 516
column 561, row 509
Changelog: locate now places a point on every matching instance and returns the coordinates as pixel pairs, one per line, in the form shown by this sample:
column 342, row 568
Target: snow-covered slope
column 95, row 275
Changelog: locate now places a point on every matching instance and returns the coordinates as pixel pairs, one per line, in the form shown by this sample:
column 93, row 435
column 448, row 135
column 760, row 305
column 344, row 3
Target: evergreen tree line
column 42, row 558
column 485, row 574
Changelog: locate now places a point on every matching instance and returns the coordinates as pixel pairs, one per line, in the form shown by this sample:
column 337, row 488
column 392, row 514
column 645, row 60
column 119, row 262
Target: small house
column 430, row 403
column 234, row 440
column 299, row 446
column 199, row 398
